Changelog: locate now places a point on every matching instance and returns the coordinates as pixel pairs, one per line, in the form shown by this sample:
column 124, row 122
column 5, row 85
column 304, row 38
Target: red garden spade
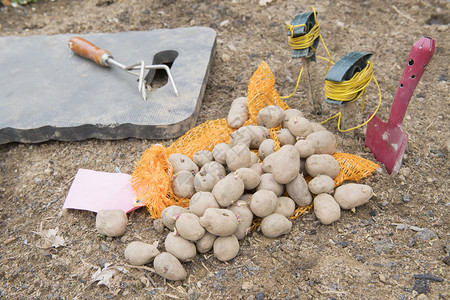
column 387, row 141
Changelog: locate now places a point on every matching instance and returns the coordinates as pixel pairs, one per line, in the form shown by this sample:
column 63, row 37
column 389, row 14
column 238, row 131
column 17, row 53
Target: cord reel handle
column 88, row 50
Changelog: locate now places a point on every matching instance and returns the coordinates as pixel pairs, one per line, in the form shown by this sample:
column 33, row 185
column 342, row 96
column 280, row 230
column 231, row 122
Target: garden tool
column 387, row 141
column 104, row 58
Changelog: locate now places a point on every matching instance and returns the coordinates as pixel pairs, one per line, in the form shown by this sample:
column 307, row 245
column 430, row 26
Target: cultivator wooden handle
column 88, row 50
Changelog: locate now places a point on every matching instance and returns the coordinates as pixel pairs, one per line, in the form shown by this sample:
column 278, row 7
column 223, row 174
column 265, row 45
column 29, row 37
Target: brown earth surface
column 364, row 255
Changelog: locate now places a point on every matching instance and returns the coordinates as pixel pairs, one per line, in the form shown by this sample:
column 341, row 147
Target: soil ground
column 364, row 255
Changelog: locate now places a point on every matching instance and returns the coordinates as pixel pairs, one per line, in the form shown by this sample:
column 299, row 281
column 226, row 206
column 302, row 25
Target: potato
column 111, row 222
column 170, row 214
column 269, row 183
column 305, row 148
column 285, row 207
column 317, row 127
column 298, row 190
column 239, row 136
column 299, row 127
column 188, row 227
column 254, row 159
column 200, row 201
column 257, row 133
column 139, row 253
column 219, row 221
column 215, row 168
column 283, row 164
column 327, row 210
column 169, row 267
column 219, row 152
column 258, row 168
column 290, row 114
column 226, row 247
column 228, row 190
column 321, row 184
column 250, row 177
column 238, row 112
column 322, row 164
column 352, row 195
column 181, row 162
column 183, row 184
column 264, row 202
column 238, row 157
column 179, row 247
column 204, row 181
column 324, row 142
column 275, row 225
column 202, row 157
column 206, row 242
column 247, row 198
column 244, row 216
column 303, row 167
column 270, row 116
column 285, row 137
column 266, row 148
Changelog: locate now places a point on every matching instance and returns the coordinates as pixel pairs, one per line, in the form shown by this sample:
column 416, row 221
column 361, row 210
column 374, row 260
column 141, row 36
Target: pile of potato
column 231, row 185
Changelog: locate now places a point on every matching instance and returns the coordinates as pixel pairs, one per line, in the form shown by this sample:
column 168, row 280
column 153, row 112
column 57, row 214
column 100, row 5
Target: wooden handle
column 88, row 50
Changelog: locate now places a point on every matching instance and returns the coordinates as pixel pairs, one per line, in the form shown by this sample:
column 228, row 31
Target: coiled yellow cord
column 350, row 91
column 306, row 41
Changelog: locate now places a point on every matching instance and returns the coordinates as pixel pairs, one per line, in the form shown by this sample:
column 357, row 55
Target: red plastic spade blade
column 387, row 143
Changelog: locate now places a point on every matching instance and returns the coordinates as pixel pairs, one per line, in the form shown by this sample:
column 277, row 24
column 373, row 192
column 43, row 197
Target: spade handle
column 418, row 59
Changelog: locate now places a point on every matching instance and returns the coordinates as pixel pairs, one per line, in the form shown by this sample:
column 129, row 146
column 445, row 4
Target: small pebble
column 259, row 296
column 246, row 285
column 111, row 223
column 406, row 198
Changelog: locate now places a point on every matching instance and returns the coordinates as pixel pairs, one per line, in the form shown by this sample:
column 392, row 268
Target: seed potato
column 170, row 214
column 204, row 181
column 250, row 177
column 226, row 247
column 219, row 152
column 179, row 247
column 206, row 242
column 238, row 112
column 257, row 134
column 299, row 127
column 215, row 168
column 317, row 127
column 324, row 142
column 258, row 168
column 322, row 164
column 183, row 184
column 240, row 136
column 269, row 183
column 275, row 225
column 188, row 227
column 238, row 157
column 266, row 148
column 327, row 210
column 298, row 191
column 270, row 116
column 202, row 157
column 283, row 164
column 228, row 190
column 352, row 195
column 285, row 207
column 200, row 201
column 169, row 267
column 245, row 217
column 321, row 184
column 181, row 162
column 305, row 148
column 264, row 202
column 290, row 114
column 139, row 253
column 285, row 137
column 219, row 221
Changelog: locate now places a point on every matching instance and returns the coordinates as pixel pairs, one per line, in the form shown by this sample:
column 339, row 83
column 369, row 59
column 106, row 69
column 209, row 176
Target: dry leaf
column 107, row 275
column 50, row 238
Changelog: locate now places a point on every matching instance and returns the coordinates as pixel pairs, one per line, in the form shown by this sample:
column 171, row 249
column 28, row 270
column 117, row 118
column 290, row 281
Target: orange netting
column 152, row 176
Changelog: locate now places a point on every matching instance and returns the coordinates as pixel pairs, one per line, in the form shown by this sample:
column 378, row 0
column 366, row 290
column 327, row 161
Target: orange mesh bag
column 152, row 176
